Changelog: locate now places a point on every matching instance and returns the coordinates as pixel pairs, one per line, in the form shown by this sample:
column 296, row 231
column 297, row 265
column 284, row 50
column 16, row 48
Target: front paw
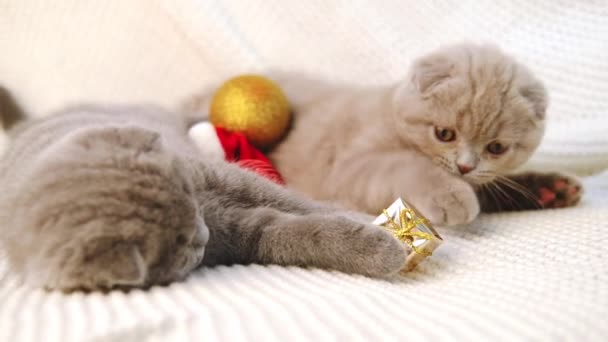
column 457, row 204
column 349, row 246
column 555, row 190
column 386, row 255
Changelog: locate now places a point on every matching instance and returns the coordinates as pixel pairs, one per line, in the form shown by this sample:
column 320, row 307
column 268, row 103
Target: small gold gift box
column 413, row 229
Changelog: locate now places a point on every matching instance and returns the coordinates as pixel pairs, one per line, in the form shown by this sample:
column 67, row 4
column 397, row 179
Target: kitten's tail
column 10, row 112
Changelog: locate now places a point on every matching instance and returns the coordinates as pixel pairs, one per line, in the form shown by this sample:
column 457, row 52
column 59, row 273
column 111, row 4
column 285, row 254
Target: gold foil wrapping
column 252, row 105
column 413, row 229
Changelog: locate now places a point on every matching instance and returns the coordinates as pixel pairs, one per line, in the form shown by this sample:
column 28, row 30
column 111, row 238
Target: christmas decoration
column 411, row 228
column 233, row 147
column 254, row 106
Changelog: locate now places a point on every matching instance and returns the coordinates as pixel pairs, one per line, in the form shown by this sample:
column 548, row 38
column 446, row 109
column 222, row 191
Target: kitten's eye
column 496, row 148
column 445, row 134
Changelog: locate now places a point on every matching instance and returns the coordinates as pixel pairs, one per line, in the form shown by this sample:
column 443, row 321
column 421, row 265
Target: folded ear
column 428, row 72
column 113, row 264
column 536, row 94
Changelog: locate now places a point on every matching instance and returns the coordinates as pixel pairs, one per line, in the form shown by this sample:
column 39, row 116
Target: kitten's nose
column 464, row 169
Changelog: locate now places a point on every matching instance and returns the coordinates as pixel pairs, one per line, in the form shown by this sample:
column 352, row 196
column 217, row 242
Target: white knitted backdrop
column 66, row 51
column 531, row 276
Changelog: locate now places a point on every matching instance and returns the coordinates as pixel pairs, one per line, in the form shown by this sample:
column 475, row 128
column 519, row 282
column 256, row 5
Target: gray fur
column 106, row 197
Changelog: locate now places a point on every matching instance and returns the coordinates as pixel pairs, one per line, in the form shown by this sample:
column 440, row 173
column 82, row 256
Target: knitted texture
column 534, row 276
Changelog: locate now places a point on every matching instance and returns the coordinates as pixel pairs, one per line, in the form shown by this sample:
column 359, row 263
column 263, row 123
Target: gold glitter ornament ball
column 252, row 105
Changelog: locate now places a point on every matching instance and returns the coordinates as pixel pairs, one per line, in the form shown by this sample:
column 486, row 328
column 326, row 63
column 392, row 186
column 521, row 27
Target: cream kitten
column 464, row 117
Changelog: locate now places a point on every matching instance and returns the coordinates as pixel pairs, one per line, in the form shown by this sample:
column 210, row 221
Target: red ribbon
column 239, row 150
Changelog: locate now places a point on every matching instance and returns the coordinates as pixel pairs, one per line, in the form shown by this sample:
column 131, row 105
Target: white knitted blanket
column 540, row 276
column 532, row 276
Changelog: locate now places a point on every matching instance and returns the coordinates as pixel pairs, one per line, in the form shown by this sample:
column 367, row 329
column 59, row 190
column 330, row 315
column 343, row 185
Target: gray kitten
column 107, row 197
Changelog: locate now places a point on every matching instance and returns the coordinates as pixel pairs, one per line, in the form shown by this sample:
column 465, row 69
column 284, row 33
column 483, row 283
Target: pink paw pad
column 546, row 196
column 562, row 192
column 560, row 184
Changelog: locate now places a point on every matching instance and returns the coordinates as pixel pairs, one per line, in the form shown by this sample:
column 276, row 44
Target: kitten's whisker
column 506, row 195
column 495, row 189
column 490, row 191
column 530, row 196
column 516, row 186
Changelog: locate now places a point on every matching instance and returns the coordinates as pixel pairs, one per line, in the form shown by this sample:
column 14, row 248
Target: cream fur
column 366, row 147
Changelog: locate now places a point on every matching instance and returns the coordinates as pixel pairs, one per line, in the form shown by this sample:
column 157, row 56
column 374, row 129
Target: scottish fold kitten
column 445, row 138
column 107, row 197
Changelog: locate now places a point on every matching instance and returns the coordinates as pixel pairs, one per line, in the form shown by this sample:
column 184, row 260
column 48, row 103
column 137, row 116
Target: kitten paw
column 530, row 191
column 339, row 243
column 557, row 190
column 386, row 255
column 457, row 205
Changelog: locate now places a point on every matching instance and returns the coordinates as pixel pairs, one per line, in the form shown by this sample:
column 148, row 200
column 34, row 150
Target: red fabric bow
column 239, row 150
